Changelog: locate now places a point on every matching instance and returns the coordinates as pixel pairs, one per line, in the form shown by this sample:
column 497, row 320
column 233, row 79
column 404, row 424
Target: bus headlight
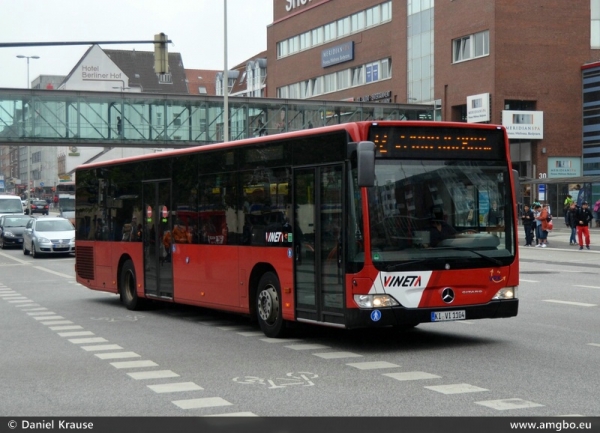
column 375, row 301
column 506, row 293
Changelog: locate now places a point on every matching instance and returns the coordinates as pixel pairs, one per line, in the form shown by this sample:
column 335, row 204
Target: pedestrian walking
column 543, row 226
column 528, row 221
column 537, row 228
column 583, row 217
column 572, row 222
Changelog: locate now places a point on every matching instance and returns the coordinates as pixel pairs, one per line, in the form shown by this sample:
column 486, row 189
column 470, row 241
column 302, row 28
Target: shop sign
column 337, row 54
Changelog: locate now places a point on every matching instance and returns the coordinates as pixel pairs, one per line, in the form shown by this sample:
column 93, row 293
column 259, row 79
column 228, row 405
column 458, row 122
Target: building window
column 595, row 25
column 165, row 78
column 471, row 47
column 202, row 90
column 330, row 33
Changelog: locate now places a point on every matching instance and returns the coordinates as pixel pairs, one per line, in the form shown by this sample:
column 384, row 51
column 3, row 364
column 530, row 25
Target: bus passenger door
column 318, row 244
column 158, row 269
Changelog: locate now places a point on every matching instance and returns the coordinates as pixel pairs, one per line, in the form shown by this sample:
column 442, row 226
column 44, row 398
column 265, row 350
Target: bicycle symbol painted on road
column 301, row 378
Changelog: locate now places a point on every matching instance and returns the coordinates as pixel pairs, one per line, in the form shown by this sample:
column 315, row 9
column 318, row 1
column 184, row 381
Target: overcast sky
column 195, row 27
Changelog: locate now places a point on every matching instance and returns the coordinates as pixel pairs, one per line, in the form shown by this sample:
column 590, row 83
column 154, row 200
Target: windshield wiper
column 483, row 256
column 390, row 268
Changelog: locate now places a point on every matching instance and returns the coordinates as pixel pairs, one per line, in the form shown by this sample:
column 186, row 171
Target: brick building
column 517, row 63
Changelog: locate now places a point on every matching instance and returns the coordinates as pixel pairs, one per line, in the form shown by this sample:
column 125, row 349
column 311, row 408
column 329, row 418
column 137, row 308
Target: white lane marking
column 457, row 388
column 101, row 347
column 251, row 333
column 57, row 322
column 508, row 404
column 42, row 313
column 158, row 374
column 587, row 287
column 521, row 280
column 118, row 355
column 233, row 414
column 60, row 274
column 307, row 346
column 75, row 333
column 337, row 355
column 594, row 344
column 231, row 328
column 88, row 340
column 27, row 305
column 19, row 301
column 37, row 309
column 201, row 403
column 372, row 365
column 65, row 327
column 412, row 375
column 9, row 294
column 279, row 340
column 49, row 318
column 175, row 387
column 134, row 364
column 578, row 304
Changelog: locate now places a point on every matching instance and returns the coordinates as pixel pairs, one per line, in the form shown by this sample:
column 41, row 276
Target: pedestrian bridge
column 91, row 119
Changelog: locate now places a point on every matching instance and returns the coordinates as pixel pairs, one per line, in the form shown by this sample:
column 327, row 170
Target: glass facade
column 420, row 63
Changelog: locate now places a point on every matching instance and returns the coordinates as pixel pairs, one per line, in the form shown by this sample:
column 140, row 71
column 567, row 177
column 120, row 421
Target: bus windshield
column 441, row 214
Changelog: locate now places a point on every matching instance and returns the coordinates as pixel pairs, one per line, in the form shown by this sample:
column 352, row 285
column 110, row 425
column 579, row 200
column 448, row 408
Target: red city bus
column 365, row 224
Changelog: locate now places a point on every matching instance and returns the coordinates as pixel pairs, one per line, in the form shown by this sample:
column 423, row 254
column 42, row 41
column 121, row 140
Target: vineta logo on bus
column 278, row 237
column 402, row 281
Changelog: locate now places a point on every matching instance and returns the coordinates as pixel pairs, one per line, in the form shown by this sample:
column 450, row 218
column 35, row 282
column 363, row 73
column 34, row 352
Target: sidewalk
column 559, row 236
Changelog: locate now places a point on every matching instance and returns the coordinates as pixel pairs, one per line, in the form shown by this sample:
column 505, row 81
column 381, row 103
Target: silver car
column 50, row 235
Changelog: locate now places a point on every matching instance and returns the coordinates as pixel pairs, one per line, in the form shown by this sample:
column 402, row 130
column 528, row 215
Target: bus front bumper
column 399, row 316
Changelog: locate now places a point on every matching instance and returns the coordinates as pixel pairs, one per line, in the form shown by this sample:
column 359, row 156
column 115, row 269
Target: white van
column 10, row 205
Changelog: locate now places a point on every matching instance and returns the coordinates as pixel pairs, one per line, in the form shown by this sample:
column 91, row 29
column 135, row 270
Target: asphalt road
column 68, row 351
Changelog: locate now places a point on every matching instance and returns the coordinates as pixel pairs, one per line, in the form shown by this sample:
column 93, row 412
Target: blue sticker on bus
column 290, row 253
column 375, row 315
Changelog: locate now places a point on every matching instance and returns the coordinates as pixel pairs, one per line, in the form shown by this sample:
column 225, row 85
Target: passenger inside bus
column 440, row 229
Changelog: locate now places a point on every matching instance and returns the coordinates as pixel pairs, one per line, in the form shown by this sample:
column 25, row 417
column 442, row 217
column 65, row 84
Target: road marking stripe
column 117, row 355
column 49, row 318
column 19, row 301
column 231, row 328
column 9, row 294
column 508, row 404
column 16, row 296
column 233, row 414
column 88, row 340
column 587, row 287
column 60, row 274
column 279, row 340
column 101, row 347
column 175, row 387
column 41, row 313
column 412, row 375
column 65, row 328
column 457, row 388
column 200, row 403
column 521, row 280
column 35, row 309
column 579, row 304
column 594, row 344
column 337, row 355
column 372, row 365
column 134, row 364
column 57, row 322
column 27, row 305
column 307, row 346
column 75, row 333
column 251, row 333
column 158, row 374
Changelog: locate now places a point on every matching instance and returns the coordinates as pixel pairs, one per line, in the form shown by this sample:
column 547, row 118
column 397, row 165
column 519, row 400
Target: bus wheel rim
column 268, row 304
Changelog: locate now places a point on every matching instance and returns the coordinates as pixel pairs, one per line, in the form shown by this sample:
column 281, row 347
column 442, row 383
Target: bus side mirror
column 365, row 155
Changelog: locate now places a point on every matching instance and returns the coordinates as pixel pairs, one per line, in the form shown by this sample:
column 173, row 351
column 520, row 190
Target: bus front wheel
column 268, row 303
column 127, row 287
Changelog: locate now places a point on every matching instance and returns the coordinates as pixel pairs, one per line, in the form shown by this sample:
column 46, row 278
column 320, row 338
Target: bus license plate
column 443, row 316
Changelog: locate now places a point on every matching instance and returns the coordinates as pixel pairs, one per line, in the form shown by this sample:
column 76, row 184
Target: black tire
column 128, row 287
column 25, row 250
column 2, row 242
column 269, row 306
column 34, row 253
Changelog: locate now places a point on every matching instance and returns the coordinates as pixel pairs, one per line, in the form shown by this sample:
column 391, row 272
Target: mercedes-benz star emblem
column 448, row 295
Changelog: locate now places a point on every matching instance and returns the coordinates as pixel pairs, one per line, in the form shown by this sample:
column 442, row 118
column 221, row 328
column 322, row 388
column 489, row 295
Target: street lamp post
column 28, row 147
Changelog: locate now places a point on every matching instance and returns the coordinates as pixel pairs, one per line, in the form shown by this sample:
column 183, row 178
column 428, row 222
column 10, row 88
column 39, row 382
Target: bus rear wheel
column 268, row 306
column 128, row 287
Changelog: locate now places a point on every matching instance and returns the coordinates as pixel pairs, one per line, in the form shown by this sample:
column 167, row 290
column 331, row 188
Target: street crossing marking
column 508, row 404
column 65, row 327
column 457, row 388
column 75, row 333
column 157, row 374
column 118, row 355
column 201, row 403
column 372, row 365
column 101, row 347
column 307, row 346
column 134, row 364
column 412, row 375
column 175, row 387
column 521, row 280
column 337, row 355
column 88, row 340
column 578, row 304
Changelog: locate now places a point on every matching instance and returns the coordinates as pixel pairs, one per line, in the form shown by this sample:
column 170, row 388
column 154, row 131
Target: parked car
column 52, row 235
column 11, row 230
column 39, row 206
